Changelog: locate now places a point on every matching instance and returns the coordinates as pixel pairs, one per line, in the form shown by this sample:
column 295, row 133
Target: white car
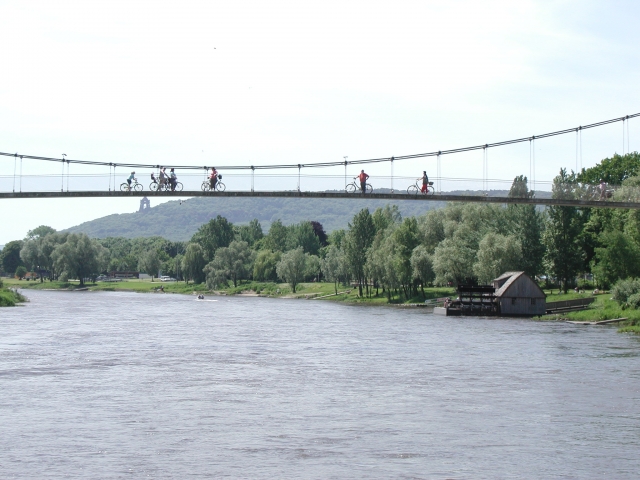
column 166, row 278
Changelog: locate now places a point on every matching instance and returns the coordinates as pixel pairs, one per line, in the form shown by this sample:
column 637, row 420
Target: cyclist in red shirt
column 363, row 181
column 213, row 178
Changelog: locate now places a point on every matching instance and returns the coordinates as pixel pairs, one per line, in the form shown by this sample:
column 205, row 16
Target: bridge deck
column 296, row 194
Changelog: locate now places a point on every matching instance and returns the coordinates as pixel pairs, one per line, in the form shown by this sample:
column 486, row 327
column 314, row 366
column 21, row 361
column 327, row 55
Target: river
column 126, row 385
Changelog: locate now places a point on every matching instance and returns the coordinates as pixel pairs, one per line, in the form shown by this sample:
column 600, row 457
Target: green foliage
column 40, row 232
column 358, row 240
column 80, row 257
column 618, row 258
column 612, row 170
column 519, row 188
column 234, row 263
column 264, row 267
column 624, row 290
column 150, row 262
column 251, row 233
column 21, row 271
column 497, row 254
column 334, row 266
column 11, row 256
column 193, row 263
column 215, row 234
column 292, row 267
column 422, row 265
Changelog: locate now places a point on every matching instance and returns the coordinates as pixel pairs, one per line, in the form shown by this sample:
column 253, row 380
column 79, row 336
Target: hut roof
column 507, row 279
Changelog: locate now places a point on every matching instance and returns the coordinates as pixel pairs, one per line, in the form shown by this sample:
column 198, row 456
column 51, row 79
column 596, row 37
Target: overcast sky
column 263, row 82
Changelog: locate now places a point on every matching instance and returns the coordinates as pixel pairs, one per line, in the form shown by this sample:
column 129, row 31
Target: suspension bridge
column 35, row 177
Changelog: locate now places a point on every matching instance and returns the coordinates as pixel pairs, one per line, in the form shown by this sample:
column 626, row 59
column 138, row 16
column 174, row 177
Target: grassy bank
column 268, row 289
column 10, row 298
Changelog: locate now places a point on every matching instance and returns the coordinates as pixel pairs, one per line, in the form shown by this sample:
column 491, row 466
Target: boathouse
column 517, row 294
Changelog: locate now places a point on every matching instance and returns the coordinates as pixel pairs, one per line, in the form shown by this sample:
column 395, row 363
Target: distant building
column 517, row 294
column 145, row 205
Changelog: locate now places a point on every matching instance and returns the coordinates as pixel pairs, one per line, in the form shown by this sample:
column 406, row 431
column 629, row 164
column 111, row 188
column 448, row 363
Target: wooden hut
column 517, row 294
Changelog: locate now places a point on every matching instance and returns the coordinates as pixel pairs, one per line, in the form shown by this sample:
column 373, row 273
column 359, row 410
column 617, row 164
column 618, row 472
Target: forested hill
column 177, row 220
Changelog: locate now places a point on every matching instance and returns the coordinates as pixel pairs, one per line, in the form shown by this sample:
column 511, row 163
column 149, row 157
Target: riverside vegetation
column 381, row 256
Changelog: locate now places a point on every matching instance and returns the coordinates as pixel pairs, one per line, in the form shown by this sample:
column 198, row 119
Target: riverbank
column 603, row 307
column 11, row 298
column 313, row 290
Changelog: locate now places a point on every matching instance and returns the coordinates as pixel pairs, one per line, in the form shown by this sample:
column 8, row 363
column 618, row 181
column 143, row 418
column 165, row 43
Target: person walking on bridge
column 425, row 182
column 363, row 181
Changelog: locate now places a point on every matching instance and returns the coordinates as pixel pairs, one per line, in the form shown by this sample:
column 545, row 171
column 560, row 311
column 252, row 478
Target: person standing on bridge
column 173, row 179
column 163, row 178
column 213, row 178
column 363, row 181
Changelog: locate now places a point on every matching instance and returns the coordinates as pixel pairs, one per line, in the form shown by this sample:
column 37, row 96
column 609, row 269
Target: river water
column 125, row 385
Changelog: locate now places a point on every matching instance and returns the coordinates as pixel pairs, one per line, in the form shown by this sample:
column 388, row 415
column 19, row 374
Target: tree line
column 380, row 251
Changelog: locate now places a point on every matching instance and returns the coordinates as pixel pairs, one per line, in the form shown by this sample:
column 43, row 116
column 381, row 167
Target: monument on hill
column 145, row 205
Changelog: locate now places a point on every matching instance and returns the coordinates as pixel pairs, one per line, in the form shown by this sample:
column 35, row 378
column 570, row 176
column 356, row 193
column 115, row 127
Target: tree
column 519, row 188
column 21, row 271
column 193, row 263
column 11, row 256
column 612, row 170
column 333, row 266
column 312, row 266
column 276, row 239
column 264, row 267
column 80, row 257
column 383, row 218
column 619, row 258
column 291, row 268
column 422, row 265
column 318, row 229
column 150, row 262
column 563, row 257
column 217, row 233
column 251, row 233
column 303, row 235
column 497, row 254
column 453, row 261
column 230, row 263
column 359, row 239
column 40, row 232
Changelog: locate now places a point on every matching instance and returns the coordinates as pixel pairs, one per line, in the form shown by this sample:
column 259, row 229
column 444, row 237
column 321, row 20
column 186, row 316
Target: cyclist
column 213, row 178
column 173, row 179
column 425, row 182
column 363, row 181
column 131, row 177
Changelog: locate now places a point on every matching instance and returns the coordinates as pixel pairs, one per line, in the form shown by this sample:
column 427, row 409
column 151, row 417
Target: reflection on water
column 108, row 385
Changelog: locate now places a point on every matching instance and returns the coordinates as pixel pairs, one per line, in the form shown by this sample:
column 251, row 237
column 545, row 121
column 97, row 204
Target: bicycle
column 167, row 187
column 417, row 188
column 220, row 187
column 353, row 187
column 125, row 187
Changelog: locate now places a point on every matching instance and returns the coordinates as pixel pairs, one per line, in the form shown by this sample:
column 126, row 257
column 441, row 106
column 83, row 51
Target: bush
column 627, row 292
column 1, row 283
column 634, row 300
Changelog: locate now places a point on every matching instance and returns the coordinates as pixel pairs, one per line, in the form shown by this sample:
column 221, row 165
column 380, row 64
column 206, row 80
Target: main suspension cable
column 337, row 163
